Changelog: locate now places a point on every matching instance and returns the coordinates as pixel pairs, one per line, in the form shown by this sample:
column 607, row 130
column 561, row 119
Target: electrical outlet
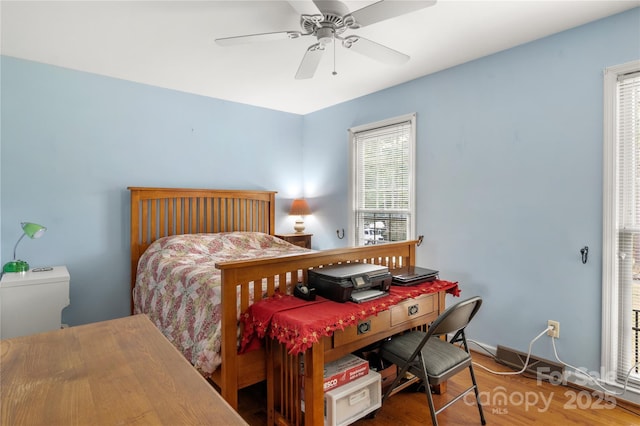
column 555, row 332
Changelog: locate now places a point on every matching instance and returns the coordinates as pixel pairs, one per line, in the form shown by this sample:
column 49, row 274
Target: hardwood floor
column 507, row 401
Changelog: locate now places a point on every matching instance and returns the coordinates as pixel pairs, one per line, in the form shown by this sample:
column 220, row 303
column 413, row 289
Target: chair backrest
column 455, row 317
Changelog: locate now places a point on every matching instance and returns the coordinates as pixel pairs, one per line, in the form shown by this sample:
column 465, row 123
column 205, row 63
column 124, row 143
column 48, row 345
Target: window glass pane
column 628, row 225
column 383, row 183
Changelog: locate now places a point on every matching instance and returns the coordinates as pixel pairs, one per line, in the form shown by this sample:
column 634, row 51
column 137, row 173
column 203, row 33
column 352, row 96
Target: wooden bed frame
column 159, row 212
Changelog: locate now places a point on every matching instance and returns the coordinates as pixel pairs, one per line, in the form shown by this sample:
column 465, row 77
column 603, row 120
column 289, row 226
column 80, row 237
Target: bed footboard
column 238, row 371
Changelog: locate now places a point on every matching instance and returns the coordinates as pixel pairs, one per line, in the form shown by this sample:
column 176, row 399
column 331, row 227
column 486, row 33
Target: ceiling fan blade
column 374, row 50
column 310, row 62
column 305, row 7
column 384, row 10
column 251, row 38
column 333, row 7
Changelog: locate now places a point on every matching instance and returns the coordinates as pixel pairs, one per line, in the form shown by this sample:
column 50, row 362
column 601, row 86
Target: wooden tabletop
column 122, row 371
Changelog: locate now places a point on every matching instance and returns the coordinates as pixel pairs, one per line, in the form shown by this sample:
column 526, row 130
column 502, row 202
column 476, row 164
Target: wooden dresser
column 122, row 371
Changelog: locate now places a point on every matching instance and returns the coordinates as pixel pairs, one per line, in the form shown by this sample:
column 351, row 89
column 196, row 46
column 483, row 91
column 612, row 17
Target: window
column 621, row 224
column 382, row 181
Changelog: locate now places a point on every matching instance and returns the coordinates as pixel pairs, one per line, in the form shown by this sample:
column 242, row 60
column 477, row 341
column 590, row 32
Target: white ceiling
column 171, row 43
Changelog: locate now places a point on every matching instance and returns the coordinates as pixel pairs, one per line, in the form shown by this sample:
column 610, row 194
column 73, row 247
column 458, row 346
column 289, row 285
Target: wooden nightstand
column 300, row 239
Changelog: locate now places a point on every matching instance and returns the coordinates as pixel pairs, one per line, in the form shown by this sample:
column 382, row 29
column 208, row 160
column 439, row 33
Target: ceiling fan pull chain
column 334, row 57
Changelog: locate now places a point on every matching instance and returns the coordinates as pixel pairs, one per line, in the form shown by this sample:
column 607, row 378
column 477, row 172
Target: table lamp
column 299, row 208
column 32, row 230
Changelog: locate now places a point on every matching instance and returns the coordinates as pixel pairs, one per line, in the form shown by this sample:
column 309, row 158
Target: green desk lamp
column 31, row 230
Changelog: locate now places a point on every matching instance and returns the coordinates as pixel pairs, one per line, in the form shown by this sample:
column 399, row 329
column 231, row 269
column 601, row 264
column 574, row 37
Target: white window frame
column 411, row 118
column 610, row 293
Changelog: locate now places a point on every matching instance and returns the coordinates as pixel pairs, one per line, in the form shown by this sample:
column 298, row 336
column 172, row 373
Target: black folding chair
column 433, row 360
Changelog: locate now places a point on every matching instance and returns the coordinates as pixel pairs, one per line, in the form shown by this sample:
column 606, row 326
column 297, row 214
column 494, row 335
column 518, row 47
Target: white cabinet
column 32, row 302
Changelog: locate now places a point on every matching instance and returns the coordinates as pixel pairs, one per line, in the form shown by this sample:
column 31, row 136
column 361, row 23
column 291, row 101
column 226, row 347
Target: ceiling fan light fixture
column 325, row 35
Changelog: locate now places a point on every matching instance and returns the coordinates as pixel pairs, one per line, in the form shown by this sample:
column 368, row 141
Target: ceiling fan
column 328, row 20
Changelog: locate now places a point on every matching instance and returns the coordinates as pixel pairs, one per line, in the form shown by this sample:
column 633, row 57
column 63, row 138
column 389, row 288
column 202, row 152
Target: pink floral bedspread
column 178, row 287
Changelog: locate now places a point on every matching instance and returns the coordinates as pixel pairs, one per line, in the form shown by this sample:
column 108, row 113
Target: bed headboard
column 160, row 212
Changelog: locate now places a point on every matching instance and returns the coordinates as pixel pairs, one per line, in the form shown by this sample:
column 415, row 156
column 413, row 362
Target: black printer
column 356, row 282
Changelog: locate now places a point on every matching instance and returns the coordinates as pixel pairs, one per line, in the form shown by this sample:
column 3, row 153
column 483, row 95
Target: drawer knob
column 412, row 310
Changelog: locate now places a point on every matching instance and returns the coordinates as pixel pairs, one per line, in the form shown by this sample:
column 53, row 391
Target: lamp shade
column 33, row 230
column 299, row 207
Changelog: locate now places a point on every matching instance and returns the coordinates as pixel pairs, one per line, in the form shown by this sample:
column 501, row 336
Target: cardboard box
column 342, row 371
column 387, row 376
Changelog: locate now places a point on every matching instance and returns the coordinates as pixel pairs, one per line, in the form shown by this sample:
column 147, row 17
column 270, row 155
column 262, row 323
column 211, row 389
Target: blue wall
column 509, row 174
column 89, row 137
column 509, row 180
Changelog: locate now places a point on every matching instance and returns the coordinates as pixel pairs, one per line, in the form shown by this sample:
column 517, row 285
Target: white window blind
column 383, row 181
column 628, row 223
